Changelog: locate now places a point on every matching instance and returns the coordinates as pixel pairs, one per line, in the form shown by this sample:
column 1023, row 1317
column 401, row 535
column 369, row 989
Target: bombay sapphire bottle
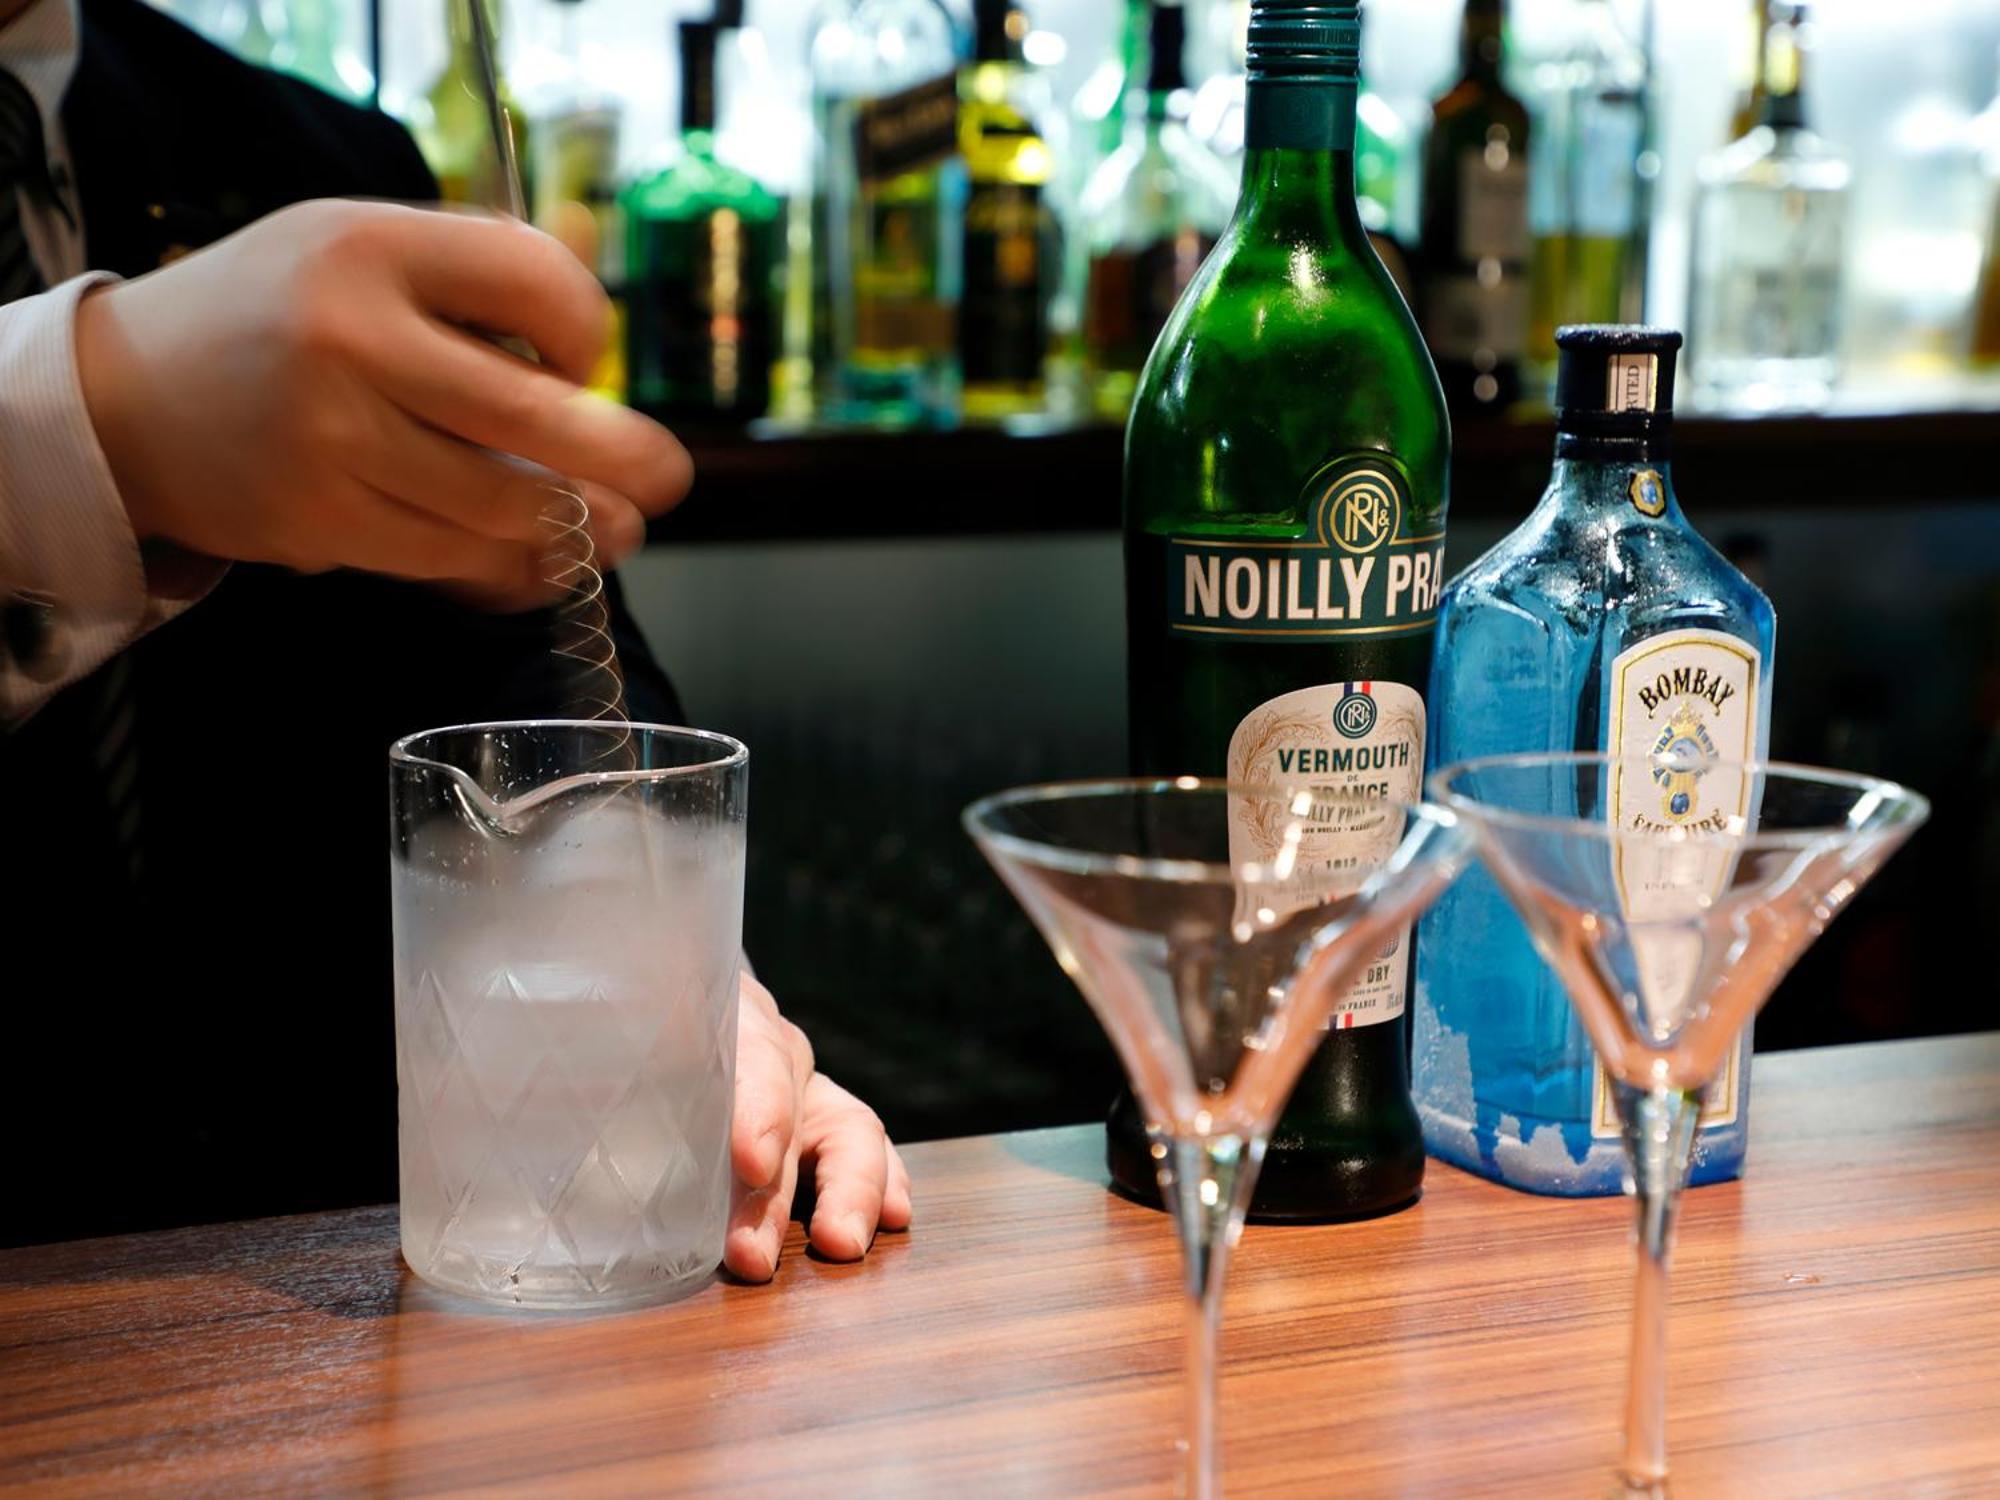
column 1604, row 623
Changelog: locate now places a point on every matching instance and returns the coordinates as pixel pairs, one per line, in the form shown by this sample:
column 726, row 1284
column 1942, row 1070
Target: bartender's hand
column 312, row 392
column 791, row 1119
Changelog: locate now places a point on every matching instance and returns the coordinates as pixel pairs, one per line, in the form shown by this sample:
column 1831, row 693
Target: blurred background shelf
column 773, row 483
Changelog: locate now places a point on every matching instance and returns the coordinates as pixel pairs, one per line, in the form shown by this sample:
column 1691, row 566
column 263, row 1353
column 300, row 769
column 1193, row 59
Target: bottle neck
column 1298, row 115
column 698, row 109
column 458, row 26
column 1481, row 47
column 1784, row 78
column 1301, row 194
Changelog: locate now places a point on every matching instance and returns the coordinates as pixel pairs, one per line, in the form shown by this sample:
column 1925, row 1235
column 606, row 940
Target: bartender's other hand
column 321, row 390
column 791, row 1119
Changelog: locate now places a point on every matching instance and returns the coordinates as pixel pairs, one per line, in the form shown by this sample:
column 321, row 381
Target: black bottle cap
column 1304, row 40
column 728, row 15
column 1166, row 39
column 1617, row 382
column 697, row 40
column 999, row 27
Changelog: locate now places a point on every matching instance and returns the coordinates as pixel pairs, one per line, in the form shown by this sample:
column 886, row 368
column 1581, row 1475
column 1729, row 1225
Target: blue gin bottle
column 1605, row 623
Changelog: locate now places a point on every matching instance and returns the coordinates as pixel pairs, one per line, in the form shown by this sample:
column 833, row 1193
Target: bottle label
column 1345, row 741
column 1691, row 695
column 905, row 131
column 898, row 312
column 1493, row 207
column 1362, row 569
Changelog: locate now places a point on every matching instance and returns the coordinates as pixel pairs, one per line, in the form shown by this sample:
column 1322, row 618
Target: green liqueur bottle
column 701, row 252
column 1285, row 493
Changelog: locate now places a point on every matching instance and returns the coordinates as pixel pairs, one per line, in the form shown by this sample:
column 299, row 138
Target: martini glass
column 1213, row 928
column 1670, row 893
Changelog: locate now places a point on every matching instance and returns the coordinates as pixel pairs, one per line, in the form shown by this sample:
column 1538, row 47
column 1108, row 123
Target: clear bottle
column 450, row 123
column 1769, row 249
column 1586, row 204
column 576, row 136
column 1009, row 239
column 1604, row 623
column 1150, row 214
column 1919, row 221
column 701, row 256
column 889, row 195
column 1472, row 261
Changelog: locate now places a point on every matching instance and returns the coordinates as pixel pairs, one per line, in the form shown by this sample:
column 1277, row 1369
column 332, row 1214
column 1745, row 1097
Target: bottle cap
column 697, row 40
column 1616, row 381
column 728, row 15
column 1304, row 40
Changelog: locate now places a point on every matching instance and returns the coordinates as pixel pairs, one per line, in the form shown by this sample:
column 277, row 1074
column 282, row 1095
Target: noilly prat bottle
column 1285, row 491
column 1604, row 623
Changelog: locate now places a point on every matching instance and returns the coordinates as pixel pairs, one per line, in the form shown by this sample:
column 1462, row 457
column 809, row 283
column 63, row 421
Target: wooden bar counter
column 1835, row 1331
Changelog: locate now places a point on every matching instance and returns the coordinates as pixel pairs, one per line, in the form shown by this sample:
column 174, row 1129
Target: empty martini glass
column 1670, row 893
column 1213, row 928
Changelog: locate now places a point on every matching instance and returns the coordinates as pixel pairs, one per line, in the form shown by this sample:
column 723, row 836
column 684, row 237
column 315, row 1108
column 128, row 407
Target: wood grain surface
column 1835, row 1331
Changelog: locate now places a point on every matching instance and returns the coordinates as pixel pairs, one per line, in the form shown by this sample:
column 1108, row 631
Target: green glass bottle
column 701, row 264
column 1286, row 472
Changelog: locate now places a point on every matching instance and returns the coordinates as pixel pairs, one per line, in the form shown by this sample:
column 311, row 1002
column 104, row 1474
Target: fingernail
column 858, row 1230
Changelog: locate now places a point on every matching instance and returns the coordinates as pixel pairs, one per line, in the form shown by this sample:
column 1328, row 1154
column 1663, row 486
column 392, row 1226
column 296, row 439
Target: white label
column 1632, row 383
column 1690, row 694
column 1344, row 741
column 1493, row 205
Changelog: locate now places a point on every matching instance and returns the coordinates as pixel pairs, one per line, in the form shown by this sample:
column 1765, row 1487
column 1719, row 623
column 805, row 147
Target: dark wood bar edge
column 818, row 485
column 1835, row 1331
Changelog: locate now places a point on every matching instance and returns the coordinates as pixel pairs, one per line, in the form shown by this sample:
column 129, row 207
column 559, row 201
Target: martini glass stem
column 1207, row 1181
column 1659, row 1127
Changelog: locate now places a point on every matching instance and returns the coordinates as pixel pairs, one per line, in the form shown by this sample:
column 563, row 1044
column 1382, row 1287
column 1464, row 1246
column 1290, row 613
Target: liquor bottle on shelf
column 888, row 197
column 1752, row 96
column 1150, row 214
column 576, row 129
column 1769, row 247
column 450, row 123
column 1472, row 275
column 1012, row 251
column 1286, row 472
column 1907, row 316
column 1585, row 195
column 1604, row 623
column 701, row 259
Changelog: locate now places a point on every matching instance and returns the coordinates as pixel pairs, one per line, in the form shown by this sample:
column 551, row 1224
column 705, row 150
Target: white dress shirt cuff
column 74, row 587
